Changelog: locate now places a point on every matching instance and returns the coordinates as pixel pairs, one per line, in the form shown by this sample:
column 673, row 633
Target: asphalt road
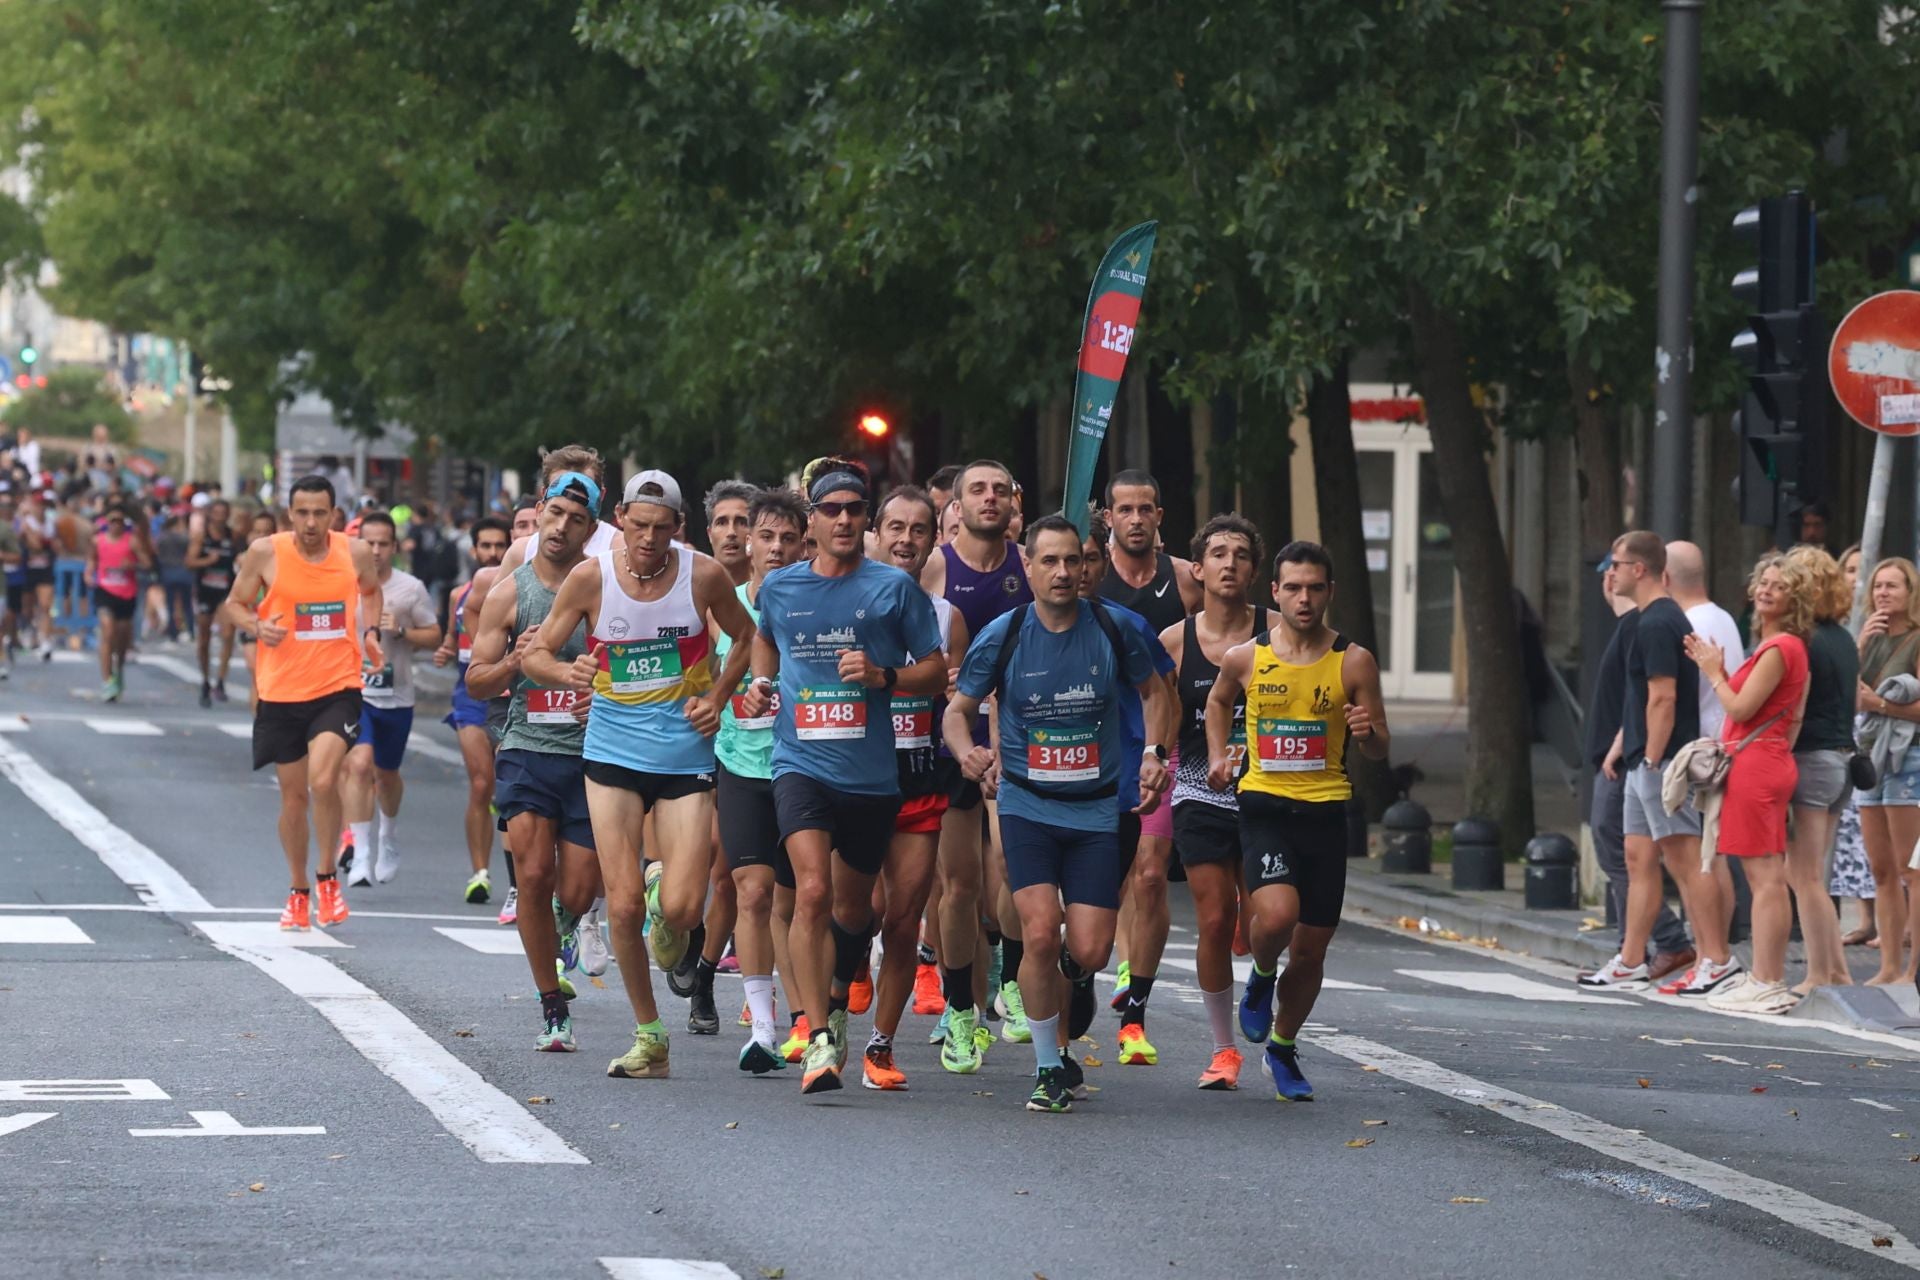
column 1476, row 1116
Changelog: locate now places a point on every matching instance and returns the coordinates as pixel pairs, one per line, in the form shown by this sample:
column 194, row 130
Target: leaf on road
column 1589, row 924
column 1882, row 1242
column 1091, row 1061
column 338, row 1155
column 1776, row 1066
column 613, row 1126
column 1359, row 1142
column 1468, row 1200
column 773, row 1273
column 257, row 1186
column 1913, row 1159
column 539, row 1099
column 1021, row 1191
column 598, row 983
column 1373, row 1124
column 465, row 1033
column 733, row 1124
column 1369, row 1068
column 1644, row 1083
column 1900, row 1135
column 1759, row 1088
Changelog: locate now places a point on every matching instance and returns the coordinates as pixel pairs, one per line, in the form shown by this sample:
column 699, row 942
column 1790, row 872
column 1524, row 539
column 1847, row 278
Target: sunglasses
column 834, row 510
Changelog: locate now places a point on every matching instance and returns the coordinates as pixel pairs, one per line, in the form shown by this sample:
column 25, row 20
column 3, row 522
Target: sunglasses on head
column 834, row 510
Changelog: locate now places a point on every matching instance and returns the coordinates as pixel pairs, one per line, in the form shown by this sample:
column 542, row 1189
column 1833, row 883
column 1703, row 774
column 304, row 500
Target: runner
column 408, row 622
column 843, row 634
column 981, row 574
column 906, row 540
column 572, row 457
column 749, row 825
column 317, row 587
column 37, row 555
column 211, row 549
column 540, row 787
column 468, row 718
column 1058, row 767
column 649, row 741
column 13, row 561
column 1309, row 693
column 1226, row 554
column 114, row 558
column 526, row 523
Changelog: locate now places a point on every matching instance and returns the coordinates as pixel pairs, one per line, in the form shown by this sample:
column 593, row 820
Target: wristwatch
column 889, row 677
column 1157, row 751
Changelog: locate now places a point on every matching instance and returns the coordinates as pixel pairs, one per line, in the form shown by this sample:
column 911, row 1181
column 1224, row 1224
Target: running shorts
column 861, row 826
column 546, row 784
column 282, row 730
column 1205, row 832
column 961, row 794
column 921, row 815
column 120, row 607
column 387, row 729
column 1298, row 843
column 652, row 788
column 468, row 712
column 750, row 827
column 1083, row 864
column 208, row 599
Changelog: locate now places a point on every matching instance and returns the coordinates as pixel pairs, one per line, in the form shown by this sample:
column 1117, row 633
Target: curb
column 1868, row 1008
column 1552, row 936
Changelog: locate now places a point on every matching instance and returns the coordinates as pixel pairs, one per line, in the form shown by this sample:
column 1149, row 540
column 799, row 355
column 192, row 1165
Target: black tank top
column 1159, row 602
column 1195, row 679
column 217, row 576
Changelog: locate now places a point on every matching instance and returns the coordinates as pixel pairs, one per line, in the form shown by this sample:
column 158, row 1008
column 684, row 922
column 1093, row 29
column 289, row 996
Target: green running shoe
column 558, row 1035
column 820, row 1067
column 837, row 1030
column 647, row 1060
column 667, row 943
column 760, row 1059
column 939, row 1032
column 479, row 886
column 1050, row 1092
column 1121, row 984
column 1013, row 1011
column 566, row 987
column 564, row 921
column 961, row 1052
column 983, row 1040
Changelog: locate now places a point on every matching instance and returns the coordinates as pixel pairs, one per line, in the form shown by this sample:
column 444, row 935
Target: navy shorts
column 468, row 712
column 546, row 784
column 1083, row 864
column 387, row 729
column 750, row 827
column 861, row 825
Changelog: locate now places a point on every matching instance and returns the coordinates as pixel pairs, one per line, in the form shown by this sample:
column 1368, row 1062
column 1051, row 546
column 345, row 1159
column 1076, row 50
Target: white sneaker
column 360, row 873
column 1708, row 977
column 510, row 909
column 1617, row 975
column 1750, row 995
column 388, row 865
column 593, row 957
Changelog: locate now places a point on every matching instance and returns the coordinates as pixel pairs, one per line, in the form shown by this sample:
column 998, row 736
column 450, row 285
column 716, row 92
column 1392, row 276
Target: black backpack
column 1017, row 620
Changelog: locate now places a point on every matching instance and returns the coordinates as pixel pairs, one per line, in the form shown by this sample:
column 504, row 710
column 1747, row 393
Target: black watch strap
column 891, row 676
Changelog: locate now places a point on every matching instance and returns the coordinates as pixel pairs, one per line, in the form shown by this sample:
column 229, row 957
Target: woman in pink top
column 113, row 571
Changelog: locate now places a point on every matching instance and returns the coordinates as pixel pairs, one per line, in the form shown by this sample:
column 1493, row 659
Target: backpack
column 1018, row 620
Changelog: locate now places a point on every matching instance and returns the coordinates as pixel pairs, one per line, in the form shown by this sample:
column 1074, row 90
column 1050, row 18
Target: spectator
column 101, row 462
column 1814, row 519
column 1890, row 811
column 1687, row 584
column 1821, row 752
column 27, row 452
column 1763, row 702
column 1850, row 878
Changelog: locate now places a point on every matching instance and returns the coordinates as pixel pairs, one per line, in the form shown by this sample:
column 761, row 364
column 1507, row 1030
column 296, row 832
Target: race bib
column 1237, row 747
column 551, row 706
column 1292, row 746
column 830, row 712
column 377, row 681
column 912, row 722
column 1063, row 755
column 643, row 666
column 464, row 651
column 216, row 581
column 325, row 621
column 744, row 721
column 116, row 578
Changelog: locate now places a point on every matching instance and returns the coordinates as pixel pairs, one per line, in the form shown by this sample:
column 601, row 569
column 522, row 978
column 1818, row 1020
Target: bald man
column 1687, row 584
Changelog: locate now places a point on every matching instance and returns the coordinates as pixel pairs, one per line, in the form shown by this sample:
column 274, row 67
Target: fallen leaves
column 1091, row 1061
column 1759, row 1088
column 1588, row 924
column 539, row 1099
column 1883, row 1242
column 1021, row 1191
column 1359, row 1142
column 1776, row 1066
column 465, row 1033
column 1369, row 1068
column 1373, row 1124
column 598, row 983
column 1468, row 1200
column 1644, row 1083
column 257, row 1186
column 733, row 1124
column 773, row 1273
column 338, row 1155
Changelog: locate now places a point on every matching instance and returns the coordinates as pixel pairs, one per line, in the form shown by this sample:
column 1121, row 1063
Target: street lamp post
column 1673, row 350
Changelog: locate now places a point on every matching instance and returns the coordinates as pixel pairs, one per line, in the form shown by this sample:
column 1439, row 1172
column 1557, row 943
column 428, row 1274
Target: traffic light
column 29, row 354
column 875, row 428
column 1781, row 422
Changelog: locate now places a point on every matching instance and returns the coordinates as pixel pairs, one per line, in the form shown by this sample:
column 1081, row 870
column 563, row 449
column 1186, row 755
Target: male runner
column 468, row 716
column 649, row 742
column 37, row 550
column 981, row 574
column 12, row 560
column 906, row 540
column 843, row 634
column 211, row 550
column 1310, row 693
column 572, row 457
column 727, row 531
column 540, row 777
column 408, row 622
column 1226, row 554
column 749, row 824
column 115, row 557
column 1055, row 670
column 318, row 586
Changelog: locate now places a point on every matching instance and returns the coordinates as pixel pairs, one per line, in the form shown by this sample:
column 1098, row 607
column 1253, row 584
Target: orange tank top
column 318, row 604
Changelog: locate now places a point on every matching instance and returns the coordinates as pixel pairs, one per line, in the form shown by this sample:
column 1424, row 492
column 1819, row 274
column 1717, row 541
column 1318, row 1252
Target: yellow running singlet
column 1296, row 726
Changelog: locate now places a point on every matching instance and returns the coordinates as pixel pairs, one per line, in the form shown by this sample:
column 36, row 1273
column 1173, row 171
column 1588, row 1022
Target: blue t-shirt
column 1061, row 716
column 1133, row 713
column 834, row 732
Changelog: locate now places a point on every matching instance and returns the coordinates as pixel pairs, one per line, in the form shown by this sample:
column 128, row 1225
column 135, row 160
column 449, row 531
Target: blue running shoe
column 570, row 951
column 1256, row 1008
column 1282, row 1065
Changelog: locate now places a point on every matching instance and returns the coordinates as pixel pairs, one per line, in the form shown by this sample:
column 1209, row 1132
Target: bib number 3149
column 1063, row 755
column 835, row 712
column 1292, row 746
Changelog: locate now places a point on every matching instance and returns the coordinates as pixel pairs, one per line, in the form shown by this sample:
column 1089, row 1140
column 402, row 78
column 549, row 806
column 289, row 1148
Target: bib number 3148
column 1292, row 746
column 836, row 712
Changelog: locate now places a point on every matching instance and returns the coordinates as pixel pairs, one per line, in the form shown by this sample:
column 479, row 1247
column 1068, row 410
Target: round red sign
column 1874, row 363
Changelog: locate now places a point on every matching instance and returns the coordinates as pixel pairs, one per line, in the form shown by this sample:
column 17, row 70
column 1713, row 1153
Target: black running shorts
column 1299, row 844
column 282, row 730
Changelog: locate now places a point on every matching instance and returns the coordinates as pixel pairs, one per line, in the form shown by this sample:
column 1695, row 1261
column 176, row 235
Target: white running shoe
column 1750, row 995
column 1617, row 975
column 361, row 872
column 593, row 945
column 1708, row 977
column 389, row 864
column 510, row 909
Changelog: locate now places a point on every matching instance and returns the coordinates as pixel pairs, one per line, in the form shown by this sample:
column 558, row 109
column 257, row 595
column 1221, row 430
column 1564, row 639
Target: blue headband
column 567, row 480
column 834, row 481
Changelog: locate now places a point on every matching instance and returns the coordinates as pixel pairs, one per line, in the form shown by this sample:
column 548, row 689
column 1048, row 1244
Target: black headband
column 833, row 482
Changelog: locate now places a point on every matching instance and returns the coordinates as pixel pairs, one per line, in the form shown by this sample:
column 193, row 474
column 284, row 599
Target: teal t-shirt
column 744, row 747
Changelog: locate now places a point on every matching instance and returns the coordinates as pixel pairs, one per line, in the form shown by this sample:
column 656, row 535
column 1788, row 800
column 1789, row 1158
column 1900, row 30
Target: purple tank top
column 982, row 597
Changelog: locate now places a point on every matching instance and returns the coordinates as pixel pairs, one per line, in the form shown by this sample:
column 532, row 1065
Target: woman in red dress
column 1769, row 694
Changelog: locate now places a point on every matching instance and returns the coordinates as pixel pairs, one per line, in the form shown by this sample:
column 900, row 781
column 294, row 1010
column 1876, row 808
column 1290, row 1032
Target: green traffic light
column 28, row 355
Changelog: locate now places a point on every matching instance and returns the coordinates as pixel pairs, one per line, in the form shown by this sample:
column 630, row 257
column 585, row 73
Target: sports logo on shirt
column 1011, row 584
column 617, row 628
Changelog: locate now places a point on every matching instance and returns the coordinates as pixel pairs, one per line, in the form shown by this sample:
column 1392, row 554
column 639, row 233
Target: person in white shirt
column 1687, row 584
column 27, row 453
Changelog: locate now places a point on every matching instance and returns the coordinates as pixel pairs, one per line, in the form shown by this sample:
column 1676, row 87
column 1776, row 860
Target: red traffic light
column 39, row 379
column 22, row 380
column 874, row 427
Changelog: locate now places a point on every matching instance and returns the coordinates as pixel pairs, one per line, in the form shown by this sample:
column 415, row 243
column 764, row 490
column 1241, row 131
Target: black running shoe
column 702, row 1018
column 1050, row 1092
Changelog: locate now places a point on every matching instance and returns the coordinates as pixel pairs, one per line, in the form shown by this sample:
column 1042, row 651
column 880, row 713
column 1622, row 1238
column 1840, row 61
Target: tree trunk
column 1336, row 484
column 1264, row 445
column 1499, row 782
column 1597, row 442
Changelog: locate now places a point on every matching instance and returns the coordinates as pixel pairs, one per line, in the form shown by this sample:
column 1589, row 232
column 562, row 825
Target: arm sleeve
column 976, row 672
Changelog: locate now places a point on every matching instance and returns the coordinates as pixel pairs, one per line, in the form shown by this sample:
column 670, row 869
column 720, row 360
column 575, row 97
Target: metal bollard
column 1553, row 880
column 1476, row 855
column 1406, row 838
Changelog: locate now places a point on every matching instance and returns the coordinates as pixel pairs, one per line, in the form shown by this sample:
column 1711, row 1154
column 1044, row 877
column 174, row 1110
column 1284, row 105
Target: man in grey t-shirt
column 386, row 711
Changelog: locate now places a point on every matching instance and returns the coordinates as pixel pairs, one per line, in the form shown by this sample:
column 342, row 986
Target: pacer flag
column 1113, row 306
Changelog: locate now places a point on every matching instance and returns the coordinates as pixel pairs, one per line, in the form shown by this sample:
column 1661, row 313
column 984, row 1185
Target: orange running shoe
column 1223, row 1072
column 860, row 992
column 796, row 1044
column 929, row 996
column 879, row 1071
column 331, row 909
column 746, row 1014
column 298, row 912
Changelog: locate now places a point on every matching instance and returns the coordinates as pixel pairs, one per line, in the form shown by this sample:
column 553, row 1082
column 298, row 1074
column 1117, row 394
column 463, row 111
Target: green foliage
column 68, row 407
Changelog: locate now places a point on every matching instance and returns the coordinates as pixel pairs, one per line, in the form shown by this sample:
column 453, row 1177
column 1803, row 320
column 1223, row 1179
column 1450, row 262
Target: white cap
column 202, row 499
column 665, row 491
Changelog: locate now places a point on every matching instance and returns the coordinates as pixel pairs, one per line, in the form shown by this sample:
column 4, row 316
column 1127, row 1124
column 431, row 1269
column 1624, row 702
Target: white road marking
column 238, row 730
column 145, row 908
column 1243, row 968
column 1505, row 984
column 13, row 724
column 495, row 1127
column 435, row 751
column 1829, row 1221
column 490, row 942
column 219, row 1124
column 24, row 1120
column 182, row 671
column 138, row 867
column 1721, row 1057
column 1689, row 1042
column 124, row 728
column 264, row 933
column 81, row 1091
column 1877, row 1106
column 41, row 930
column 666, row 1269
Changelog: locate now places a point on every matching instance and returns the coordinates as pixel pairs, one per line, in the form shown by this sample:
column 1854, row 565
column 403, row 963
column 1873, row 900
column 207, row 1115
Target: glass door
column 1409, row 549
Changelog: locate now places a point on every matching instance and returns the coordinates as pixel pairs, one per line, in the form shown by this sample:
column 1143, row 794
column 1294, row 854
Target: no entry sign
column 1874, row 363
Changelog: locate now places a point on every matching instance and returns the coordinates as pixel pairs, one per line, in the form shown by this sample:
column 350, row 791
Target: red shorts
column 921, row 815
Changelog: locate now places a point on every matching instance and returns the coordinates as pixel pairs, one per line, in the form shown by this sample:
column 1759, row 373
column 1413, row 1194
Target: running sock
column 1134, row 1011
column 651, row 1026
column 1013, row 951
column 553, row 1004
column 362, row 836
column 849, row 950
column 760, row 1006
column 879, row 1040
column 305, row 893
column 1258, row 972
column 1046, row 1041
column 1220, row 1016
column 926, row 954
column 958, row 983
column 513, row 881
column 389, row 827
column 993, row 937
column 326, row 875
column 703, row 971
column 1276, row 1038
column 697, row 940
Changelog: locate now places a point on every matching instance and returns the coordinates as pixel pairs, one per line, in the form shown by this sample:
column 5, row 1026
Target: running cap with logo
column 576, row 485
column 656, row 488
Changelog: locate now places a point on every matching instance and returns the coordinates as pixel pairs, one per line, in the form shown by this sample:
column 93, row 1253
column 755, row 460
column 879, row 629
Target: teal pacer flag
column 1113, row 308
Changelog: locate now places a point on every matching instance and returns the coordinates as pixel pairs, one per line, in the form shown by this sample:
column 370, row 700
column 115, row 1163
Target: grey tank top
column 541, row 719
